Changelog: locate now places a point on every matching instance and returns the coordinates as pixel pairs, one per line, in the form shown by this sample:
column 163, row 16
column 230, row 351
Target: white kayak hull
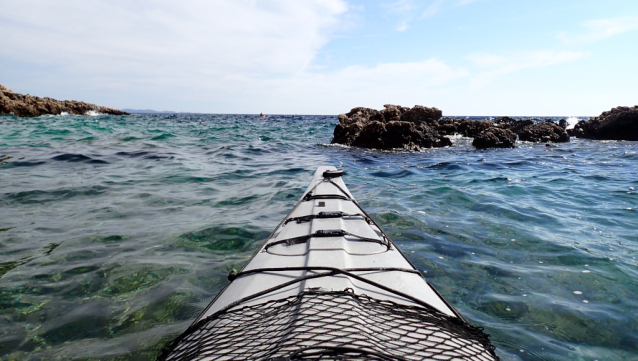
column 326, row 247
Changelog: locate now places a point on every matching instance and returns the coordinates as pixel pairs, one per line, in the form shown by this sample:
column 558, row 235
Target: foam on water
column 115, row 234
column 572, row 121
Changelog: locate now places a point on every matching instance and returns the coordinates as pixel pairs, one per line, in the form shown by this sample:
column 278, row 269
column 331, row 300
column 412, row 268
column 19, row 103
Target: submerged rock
column 545, row 131
column 394, row 127
column 495, row 137
column 620, row 123
column 31, row 106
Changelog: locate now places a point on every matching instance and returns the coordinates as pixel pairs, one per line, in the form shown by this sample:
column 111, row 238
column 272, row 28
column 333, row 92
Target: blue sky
column 466, row 57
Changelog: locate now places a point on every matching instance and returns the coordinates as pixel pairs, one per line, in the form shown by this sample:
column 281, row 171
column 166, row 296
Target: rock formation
column 31, row 106
column 394, row 127
column 545, row 131
column 495, row 137
column 516, row 126
column 397, row 127
column 619, row 123
column 465, row 127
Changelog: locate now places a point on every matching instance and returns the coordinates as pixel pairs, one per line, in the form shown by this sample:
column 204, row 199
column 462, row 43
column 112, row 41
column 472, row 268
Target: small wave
column 335, row 145
column 572, row 121
column 26, row 164
column 93, row 113
column 399, row 174
column 163, row 136
column 457, row 136
column 70, row 157
column 132, row 154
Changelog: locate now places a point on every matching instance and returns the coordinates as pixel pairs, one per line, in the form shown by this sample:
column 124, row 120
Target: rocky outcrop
column 516, row 126
column 495, row 137
column 394, row 127
column 545, row 131
column 465, row 127
column 32, row 106
column 619, row 123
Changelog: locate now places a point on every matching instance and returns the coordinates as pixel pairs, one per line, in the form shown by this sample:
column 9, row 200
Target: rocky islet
column 398, row 127
column 394, row 127
column 31, row 106
column 620, row 123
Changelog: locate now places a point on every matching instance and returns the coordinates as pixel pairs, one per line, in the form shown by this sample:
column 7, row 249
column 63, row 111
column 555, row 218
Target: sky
column 465, row 57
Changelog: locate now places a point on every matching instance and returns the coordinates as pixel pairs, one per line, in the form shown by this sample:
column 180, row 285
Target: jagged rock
column 346, row 133
column 391, row 113
column 370, row 136
column 580, row 130
column 388, row 128
column 465, row 127
column 544, row 131
column 516, row 126
column 422, row 114
column 495, row 137
column 31, row 106
column 563, row 123
column 620, row 123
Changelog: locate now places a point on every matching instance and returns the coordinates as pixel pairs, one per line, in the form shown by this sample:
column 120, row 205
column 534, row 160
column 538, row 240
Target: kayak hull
column 328, row 281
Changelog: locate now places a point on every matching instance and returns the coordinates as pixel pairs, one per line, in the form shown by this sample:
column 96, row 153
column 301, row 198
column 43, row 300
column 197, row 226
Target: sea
column 117, row 231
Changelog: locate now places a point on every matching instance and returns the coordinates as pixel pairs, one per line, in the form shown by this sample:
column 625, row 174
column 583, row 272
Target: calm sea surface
column 115, row 232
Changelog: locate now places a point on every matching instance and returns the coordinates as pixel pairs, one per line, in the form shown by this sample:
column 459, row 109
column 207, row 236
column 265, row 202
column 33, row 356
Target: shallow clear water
column 115, row 232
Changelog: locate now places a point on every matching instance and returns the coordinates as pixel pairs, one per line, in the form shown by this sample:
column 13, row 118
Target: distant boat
column 262, row 115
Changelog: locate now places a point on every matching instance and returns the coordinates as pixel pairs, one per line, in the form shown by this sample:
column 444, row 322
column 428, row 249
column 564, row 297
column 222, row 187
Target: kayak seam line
column 325, row 234
column 233, row 276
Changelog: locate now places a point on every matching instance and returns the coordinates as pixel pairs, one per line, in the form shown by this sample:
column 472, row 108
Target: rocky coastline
column 620, row 123
column 32, row 106
column 398, row 127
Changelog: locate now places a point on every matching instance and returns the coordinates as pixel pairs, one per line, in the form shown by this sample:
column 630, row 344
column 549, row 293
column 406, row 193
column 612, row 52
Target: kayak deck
column 328, row 281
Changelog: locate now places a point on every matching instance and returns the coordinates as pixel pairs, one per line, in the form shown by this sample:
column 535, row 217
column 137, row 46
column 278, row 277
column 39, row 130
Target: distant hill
column 147, row 111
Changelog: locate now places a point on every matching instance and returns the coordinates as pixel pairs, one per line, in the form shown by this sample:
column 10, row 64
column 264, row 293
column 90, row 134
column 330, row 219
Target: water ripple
column 115, row 232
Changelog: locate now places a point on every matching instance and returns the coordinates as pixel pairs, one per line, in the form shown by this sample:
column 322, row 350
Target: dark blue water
column 115, row 232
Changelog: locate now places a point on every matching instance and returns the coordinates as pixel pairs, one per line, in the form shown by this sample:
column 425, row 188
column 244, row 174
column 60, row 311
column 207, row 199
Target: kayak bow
column 329, row 284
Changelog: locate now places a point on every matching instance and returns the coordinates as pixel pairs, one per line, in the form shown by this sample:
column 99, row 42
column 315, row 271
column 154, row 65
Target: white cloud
column 333, row 92
column 433, row 8
column 465, row 2
column 600, row 29
column 402, row 9
column 401, row 6
column 221, row 56
column 403, row 26
column 185, row 42
column 500, row 65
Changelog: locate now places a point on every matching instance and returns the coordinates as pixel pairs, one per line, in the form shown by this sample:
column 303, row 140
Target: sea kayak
column 329, row 284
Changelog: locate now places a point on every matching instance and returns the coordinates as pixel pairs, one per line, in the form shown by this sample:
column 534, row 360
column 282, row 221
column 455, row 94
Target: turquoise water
column 115, row 232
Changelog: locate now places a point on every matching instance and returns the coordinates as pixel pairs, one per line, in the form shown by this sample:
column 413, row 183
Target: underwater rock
column 495, row 138
column 394, row 127
column 32, row 106
column 545, row 131
column 620, row 123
